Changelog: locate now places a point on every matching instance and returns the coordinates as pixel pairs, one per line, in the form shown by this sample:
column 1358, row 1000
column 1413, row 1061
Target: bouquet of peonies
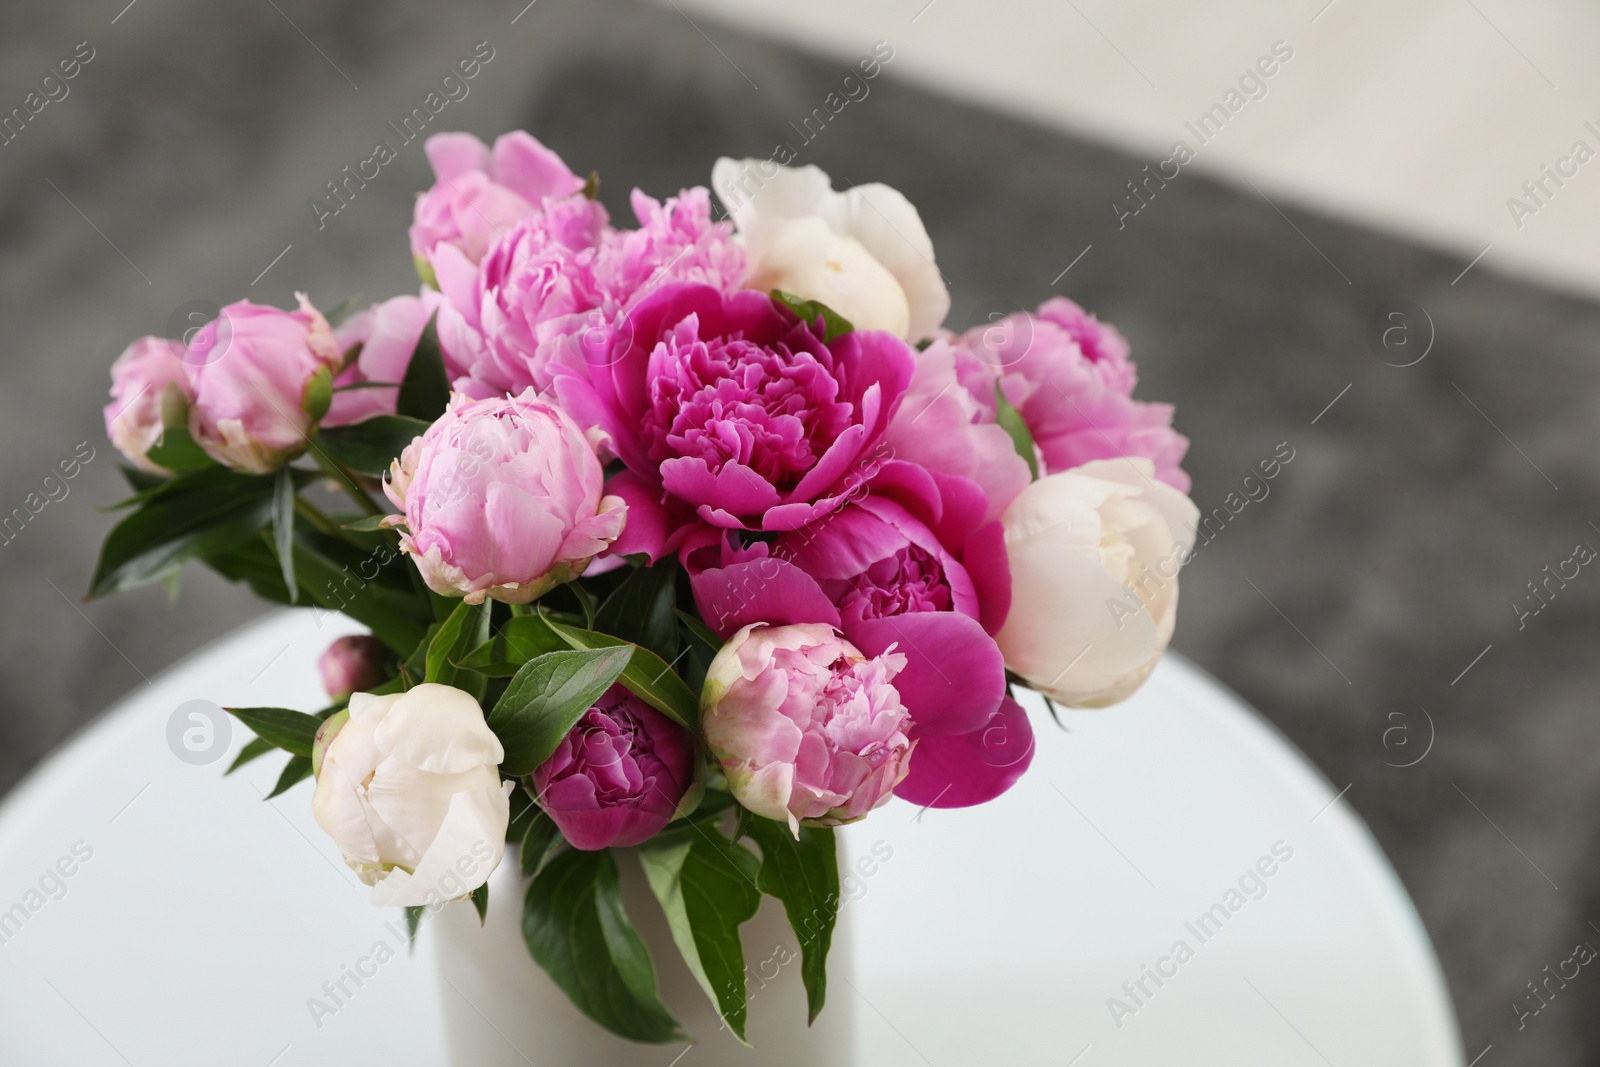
column 694, row 540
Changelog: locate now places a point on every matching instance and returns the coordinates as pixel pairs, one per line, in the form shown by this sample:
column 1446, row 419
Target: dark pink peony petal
column 954, row 676
column 760, row 590
column 960, row 770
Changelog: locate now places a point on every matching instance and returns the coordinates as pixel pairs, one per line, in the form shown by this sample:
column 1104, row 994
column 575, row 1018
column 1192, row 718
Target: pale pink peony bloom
column 139, row 380
column 806, row 727
column 502, row 498
column 388, row 334
column 352, row 664
column 1070, row 377
column 249, row 370
column 479, row 193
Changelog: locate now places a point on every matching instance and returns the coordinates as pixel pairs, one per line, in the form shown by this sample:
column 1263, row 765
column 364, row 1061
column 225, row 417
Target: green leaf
column 465, row 629
column 369, row 446
column 414, row 913
column 833, row 323
column 425, row 390
column 178, row 452
column 480, row 900
column 210, row 511
column 647, row 676
column 522, row 638
column 539, row 844
column 384, row 609
column 292, row 731
column 1011, row 421
column 297, row 770
column 804, row 874
column 642, row 608
column 701, row 632
column 283, row 498
column 577, row 930
column 256, row 564
column 254, row 749
column 545, row 698
column 707, row 887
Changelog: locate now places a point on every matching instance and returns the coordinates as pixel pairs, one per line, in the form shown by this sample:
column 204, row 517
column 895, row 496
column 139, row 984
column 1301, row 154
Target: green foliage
column 707, row 888
column 804, row 875
column 546, row 698
column 369, row 446
column 577, row 929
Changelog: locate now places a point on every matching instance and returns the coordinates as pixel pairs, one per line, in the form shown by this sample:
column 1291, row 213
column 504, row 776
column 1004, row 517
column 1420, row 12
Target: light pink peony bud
column 352, row 664
column 139, row 380
column 260, row 377
column 502, row 498
column 805, row 726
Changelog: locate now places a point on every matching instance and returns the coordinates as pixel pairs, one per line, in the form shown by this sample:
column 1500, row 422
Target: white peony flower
column 408, row 787
column 863, row 252
column 1095, row 553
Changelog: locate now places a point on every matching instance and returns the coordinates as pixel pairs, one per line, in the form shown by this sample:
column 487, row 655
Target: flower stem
column 314, row 515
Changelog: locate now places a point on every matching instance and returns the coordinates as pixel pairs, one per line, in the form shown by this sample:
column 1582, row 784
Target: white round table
column 1171, row 882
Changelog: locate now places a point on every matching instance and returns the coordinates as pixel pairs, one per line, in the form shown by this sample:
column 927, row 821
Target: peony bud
column 259, row 394
column 805, row 726
column 139, row 381
column 1095, row 553
column 502, row 498
column 408, row 787
column 352, row 664
column 618, row 777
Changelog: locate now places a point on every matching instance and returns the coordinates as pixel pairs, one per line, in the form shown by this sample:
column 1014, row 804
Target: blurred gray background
column 1416, row 510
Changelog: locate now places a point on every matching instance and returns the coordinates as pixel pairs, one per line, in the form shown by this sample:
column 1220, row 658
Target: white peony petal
column 467, row 849
column 439, row 729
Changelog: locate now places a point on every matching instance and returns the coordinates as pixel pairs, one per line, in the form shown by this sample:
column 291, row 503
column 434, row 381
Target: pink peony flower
column 676, row 242
column 1070, row 377
column 139, row 379
column 502, row 498
column 887, row 580
column 618, row 776
column 387, row 333
column 249, row 369
column 943, row 428
column 552, row 288
column 479, row 194
column 806, row 727
column 352, row 664
column 729, row 409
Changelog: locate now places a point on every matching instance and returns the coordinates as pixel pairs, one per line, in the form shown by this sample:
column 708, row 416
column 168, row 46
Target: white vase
column 500, row 1008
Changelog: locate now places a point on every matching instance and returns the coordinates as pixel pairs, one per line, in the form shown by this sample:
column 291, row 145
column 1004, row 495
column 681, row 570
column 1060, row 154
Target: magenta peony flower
column 806, row 727
column 352, row 664
column 502, row 498
column 887, row 580
column 249, row 369
column 479, row 194
column 387, row 333
column 617, row 778
column 1070, row 377
column 139, row 379
column 730, row 409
